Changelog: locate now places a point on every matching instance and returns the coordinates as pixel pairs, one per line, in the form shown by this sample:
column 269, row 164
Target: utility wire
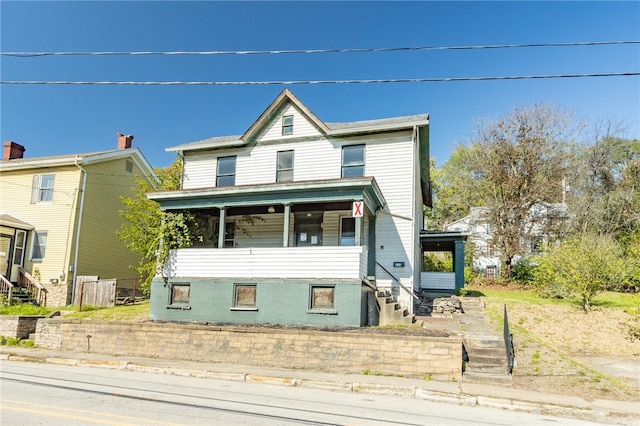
column 309, row 82
column 304, row 51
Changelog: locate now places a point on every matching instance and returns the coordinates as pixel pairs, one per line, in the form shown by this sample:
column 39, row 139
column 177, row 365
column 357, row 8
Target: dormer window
column 287, row 125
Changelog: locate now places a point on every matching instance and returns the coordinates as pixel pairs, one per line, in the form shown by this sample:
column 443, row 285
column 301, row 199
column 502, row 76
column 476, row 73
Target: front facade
column 59, row 216
column 298, row 220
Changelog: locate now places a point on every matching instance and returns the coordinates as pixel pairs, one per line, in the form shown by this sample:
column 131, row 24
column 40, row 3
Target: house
column 543, row 224
column 59, row 217
column 299, row 220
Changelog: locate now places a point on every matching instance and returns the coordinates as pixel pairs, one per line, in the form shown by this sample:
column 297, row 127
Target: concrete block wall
column 409, row 356
column 18, row 326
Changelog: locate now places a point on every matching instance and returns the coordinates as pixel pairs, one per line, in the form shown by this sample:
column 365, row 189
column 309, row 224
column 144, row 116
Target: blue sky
column 53, row 120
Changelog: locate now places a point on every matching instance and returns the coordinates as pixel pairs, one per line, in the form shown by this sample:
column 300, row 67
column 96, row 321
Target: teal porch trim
column 331, row 190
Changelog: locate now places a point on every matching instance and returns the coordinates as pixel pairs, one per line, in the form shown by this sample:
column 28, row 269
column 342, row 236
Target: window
column 229, row 233
column 284, row 171
column 244, row 296
column 348, row 231
column 129, row 166
column 39, row 244
column 287, row 125
column 322, row 297
column 179, row 295
column 352, row 161
column 42, row 188
column 226, row 173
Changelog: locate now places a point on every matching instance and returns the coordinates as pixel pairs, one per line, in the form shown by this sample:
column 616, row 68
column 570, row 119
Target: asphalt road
column 46, row 394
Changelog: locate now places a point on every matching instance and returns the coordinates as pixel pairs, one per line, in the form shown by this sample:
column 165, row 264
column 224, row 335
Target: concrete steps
column 484, row 349
column 392, row 312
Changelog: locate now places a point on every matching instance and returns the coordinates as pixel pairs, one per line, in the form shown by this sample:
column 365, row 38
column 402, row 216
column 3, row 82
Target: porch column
column 358, row 236
column 285, row 230
column 458, row 263
column 371, row 261
column 222, row 227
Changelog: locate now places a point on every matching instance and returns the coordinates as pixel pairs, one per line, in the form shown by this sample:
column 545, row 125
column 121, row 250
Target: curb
column 592, row 412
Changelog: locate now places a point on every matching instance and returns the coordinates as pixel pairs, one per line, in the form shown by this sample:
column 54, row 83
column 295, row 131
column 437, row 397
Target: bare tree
column 518, row 162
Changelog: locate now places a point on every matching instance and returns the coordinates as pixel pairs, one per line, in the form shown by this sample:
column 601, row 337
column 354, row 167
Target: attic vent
column 129, row 166
column 287, row 125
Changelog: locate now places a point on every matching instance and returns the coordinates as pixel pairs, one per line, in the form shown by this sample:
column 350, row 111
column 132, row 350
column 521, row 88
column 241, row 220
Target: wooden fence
column 96, row 292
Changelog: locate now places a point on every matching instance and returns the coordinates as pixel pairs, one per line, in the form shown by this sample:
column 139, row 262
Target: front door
column 5, row 255
column 308, row 228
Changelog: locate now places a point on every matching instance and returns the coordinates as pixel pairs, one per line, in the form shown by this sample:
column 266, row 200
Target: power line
column 312, row 51
column 309, row 82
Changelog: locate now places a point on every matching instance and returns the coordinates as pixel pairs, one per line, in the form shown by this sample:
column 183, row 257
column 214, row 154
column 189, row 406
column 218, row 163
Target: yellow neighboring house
column 59, row 216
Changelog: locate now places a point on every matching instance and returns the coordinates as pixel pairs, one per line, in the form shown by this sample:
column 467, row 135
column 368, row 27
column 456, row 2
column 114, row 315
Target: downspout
column 78, row 228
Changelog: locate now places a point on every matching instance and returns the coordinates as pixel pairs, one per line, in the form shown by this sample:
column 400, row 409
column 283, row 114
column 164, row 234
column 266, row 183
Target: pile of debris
column 445, row 307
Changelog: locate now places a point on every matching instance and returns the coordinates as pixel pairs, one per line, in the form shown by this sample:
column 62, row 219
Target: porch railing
column 508, row 343
column 6, row 291
column 36, row 290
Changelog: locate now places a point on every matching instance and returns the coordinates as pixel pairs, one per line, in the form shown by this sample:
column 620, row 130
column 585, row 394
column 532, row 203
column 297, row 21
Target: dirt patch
column 559, row 349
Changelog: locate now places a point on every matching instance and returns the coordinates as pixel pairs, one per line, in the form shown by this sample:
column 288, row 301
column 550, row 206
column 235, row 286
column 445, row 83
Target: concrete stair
column 484, row 349
column 392, row 312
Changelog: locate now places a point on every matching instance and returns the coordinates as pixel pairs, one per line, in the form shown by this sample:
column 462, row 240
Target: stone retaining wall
column 18, row 326
column 351, row 352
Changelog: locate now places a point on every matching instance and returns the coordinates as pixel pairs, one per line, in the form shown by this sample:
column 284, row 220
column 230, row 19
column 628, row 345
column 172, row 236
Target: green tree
column 583, row 266
column 150, row 232
column 515, row 163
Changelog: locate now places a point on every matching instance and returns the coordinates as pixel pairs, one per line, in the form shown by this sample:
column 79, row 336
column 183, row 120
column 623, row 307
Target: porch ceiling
column 441, row 241
column 318, row 191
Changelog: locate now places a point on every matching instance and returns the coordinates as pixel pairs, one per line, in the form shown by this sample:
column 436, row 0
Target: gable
column 301, row 125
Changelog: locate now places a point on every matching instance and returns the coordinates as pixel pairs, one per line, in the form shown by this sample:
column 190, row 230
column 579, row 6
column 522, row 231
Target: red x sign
column 358, row 209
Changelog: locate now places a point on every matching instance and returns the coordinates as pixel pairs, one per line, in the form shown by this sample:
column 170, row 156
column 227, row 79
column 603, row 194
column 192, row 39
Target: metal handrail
column 508, row 343
column 35, row 289
column 398, row 281
column 6, row 288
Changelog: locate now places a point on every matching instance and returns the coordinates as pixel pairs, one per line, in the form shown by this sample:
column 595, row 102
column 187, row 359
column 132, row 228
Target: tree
column 150, row 232
column 583, row 266
column 515, row 163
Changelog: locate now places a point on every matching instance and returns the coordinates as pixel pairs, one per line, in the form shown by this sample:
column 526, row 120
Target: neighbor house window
column 352, row 161
column 244, row 296
column 18, row 250
column 229, row 233
column 287, row 125
column 284, row 172
column 42, row 188
column 348, row 231
column 322, row 297
column 226, row 173
column 39, row 245
column 179, row 294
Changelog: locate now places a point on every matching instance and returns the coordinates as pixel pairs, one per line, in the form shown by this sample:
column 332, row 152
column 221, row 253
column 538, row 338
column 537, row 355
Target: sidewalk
column 448, row 392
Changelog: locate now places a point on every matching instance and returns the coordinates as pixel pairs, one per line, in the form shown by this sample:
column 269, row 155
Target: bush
column 582, row 266
column 523, row 271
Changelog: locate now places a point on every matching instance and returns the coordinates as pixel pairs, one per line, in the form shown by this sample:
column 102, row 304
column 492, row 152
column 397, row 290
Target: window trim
column 279, row 170
column 179, row 305
column 355, row 165
column 37, row 190
column 238, row 307
column 219, row 175
column 326, row 310
column 287, row 128
column 34, row 243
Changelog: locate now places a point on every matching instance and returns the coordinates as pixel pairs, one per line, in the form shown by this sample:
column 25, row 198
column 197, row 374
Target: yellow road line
column 56, row 413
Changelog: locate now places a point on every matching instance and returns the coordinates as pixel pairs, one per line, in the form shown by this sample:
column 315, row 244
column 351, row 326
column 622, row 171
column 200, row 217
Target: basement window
column 244, row 297
column 322, row 300
column 179, row 295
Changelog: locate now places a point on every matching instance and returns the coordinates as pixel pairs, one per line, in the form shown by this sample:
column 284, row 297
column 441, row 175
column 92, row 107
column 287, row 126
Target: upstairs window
column 39, row 245
column 287, row 125
column 352, row 161
column 42, row 188
column 284, row 172
column 226, row 173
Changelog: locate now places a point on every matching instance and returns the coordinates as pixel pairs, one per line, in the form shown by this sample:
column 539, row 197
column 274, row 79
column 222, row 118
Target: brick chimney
column 124, row 141
column 12, row 151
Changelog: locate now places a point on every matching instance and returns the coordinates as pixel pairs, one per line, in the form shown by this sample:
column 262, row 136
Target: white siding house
column 316, row 215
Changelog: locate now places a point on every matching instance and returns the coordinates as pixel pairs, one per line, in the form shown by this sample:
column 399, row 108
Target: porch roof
column 12, row 222
column 441, row 240
column 315, row 191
